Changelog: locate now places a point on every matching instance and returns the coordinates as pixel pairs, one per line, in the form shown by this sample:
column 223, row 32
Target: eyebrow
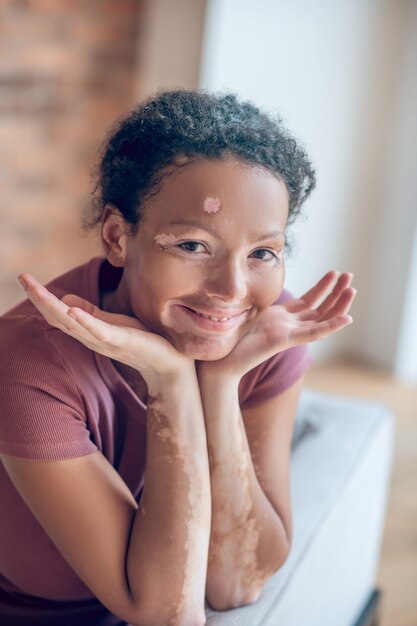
column 272, row 234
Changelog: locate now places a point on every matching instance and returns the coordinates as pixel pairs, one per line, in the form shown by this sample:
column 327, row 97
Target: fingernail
column 22, row 283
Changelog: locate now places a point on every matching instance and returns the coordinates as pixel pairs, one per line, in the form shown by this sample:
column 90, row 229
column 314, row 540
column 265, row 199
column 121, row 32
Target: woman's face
column 210, row 244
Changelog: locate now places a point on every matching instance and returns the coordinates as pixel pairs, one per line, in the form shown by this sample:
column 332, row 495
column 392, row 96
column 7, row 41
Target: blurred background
column 342, row 74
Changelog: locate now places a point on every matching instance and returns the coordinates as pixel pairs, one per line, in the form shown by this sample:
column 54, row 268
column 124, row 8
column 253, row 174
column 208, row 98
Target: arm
column 249, row 455
column 146, row 564
column 251, row 513
column 113, row 545
column 167, row 558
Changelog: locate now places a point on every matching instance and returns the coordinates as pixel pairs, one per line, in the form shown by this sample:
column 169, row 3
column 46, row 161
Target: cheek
column 158, row 280
column 163, row 275
column 268, row 287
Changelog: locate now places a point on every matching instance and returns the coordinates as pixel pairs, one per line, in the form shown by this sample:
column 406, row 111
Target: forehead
column 245, row 192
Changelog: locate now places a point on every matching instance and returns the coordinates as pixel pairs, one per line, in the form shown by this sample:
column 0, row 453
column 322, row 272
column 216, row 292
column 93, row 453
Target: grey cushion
column 307, row 423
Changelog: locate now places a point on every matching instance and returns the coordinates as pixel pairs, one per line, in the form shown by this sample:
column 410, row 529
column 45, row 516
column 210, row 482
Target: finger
column 100, row 330
column 337, row 303
column 76, row 302
column 309, row 316
column 73, row 300
column 320, row 330
column 295, row 306
column 39, row 295
column 343, row 282
column 53, row 310
column 89, row 330
column 313, row 296
column 343, row 304
column 115, row 319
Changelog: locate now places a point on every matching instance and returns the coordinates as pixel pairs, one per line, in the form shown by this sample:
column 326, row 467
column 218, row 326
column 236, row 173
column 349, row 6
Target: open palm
column 114, row 335
column 293, row 323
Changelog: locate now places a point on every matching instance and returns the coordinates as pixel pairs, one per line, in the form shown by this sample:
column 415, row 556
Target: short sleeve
column 275, row 375
column 42, row 410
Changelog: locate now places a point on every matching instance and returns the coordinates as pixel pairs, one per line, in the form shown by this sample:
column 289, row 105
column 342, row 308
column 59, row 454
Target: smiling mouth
column 214, row 318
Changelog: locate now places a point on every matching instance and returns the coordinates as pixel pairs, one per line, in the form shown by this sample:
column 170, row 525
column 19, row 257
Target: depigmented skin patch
column 235, row 536
column 235, row 533
column 212, row 205
column 164, row 240
column 185, row 593
column 160, row 272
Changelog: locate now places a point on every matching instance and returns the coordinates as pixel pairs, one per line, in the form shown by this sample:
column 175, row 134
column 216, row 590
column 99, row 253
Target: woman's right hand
column 119, row 337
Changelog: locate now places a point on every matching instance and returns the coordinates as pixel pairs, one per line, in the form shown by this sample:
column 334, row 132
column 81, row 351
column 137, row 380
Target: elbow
column 181, row 621
column 222, row 603
column 157, row 619
column 219, row 600
column 158, row 611
column 223, row 596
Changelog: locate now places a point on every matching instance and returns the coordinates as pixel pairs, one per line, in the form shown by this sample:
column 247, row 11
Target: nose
column 227, row 281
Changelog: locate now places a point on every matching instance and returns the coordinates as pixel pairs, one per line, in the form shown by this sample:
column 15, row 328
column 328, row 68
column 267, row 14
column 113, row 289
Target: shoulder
column 23, row 338
column 43, row 413
column 27, row 342
column 31, row 362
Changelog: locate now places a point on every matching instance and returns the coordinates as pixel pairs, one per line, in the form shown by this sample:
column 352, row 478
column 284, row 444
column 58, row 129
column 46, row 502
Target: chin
column 205, row 349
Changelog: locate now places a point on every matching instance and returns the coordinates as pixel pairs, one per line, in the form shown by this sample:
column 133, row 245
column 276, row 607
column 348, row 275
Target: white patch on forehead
column 212, row 205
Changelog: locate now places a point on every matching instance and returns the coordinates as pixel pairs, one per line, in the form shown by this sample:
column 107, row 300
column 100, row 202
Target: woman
column 149, row 395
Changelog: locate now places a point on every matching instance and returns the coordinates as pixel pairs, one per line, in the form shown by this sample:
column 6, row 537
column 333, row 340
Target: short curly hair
column 192, row 123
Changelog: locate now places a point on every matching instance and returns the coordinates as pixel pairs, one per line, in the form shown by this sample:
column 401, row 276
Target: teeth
column 212, row 318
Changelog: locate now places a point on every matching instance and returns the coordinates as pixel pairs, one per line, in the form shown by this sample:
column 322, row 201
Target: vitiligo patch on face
column 212, row 205
column 164, row 240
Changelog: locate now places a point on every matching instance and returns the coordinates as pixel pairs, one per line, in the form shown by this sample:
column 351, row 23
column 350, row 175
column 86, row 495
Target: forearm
column 248, row 541
column 168, row 551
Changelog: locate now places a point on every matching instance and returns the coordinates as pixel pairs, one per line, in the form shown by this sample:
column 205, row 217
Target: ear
column 114, row 236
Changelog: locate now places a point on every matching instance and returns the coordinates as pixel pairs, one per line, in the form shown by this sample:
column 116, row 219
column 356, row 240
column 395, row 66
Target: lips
column 217, row 316
column 215, row 320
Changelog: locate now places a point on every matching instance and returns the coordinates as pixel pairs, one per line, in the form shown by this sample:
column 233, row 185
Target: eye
column 191, row 246
column 265, row 255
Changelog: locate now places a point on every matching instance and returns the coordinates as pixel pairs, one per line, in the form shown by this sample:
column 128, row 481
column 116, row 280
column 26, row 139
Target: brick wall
column 67, row 70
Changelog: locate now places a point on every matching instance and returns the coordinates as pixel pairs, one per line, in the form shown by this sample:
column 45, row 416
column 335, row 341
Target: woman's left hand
column 284, row 326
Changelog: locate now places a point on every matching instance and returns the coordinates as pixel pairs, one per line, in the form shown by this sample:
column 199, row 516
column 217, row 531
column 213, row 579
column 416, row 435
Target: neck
column 115, row 301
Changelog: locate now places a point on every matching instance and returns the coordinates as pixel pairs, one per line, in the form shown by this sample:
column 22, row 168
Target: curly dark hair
column 192, row 123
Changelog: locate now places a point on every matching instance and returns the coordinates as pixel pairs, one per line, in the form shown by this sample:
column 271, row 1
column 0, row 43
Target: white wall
column 405, row 363
column 385, row 208
column 169, row 45
column 331, row 69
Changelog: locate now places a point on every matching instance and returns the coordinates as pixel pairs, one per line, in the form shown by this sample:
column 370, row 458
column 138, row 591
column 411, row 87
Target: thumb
column 73, row 300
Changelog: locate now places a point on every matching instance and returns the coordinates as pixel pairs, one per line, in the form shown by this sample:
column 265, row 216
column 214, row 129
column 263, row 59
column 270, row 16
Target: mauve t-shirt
column 59, row 400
